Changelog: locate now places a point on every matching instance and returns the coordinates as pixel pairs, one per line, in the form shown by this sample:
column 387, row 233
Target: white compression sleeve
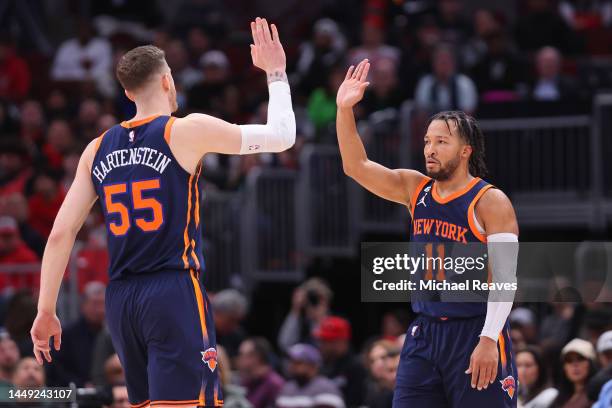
column 503, row 253
column 279, row 133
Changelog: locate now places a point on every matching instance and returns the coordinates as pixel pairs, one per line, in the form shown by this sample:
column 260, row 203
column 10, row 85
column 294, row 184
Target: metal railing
column 269, row 231
column 325, row 205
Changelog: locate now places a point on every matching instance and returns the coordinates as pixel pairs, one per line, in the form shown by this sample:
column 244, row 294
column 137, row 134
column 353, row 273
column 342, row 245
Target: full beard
column 446, row 171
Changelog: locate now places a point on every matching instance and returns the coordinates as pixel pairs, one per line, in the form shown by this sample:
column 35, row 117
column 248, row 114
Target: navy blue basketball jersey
column 150, row 203
column 449, row 219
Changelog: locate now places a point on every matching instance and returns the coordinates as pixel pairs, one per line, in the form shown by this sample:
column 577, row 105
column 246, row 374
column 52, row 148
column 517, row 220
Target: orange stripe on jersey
column 99, row 141
column 200, row 300
column 197, row 197
column 196, row 215
column 168, row 129
column 502, row 352
column 135, row 123
column 218, row 402
column 186, row 233
column 417, row 191
column 141, row 405
column 471, row 214
column 440, row 200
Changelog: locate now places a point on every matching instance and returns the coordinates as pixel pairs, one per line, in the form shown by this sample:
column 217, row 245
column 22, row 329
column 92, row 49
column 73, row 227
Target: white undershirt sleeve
column 503, row 254
column 278, row 134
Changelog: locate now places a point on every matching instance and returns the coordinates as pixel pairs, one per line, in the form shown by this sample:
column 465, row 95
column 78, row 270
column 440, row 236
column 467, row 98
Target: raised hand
column 267, row 51
column 354, row 85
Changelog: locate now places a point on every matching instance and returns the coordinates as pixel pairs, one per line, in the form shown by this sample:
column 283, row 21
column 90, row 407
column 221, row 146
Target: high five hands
column 352, row 89
column 267, row 51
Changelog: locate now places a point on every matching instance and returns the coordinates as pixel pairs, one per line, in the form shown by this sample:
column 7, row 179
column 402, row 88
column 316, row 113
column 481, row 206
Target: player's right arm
column 197, row 134
column 392, row 184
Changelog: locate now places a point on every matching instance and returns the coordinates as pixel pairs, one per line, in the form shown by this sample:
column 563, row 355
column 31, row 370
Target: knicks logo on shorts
column 509, row 385
column 210, row 358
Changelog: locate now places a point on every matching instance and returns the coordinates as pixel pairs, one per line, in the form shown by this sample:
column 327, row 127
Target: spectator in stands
column 309, row 306
column 257, row 375
column 14, row 253
column 20, row 314
column 86, row 57
column 445, row 88
column 322, row 101
column 56, row 105
column 604, row 350
column 59, row 141
column 549, row 84
column 14, row 170
column 46, row 200
column 307, row 388
column 229, row 309
column 120, row 397
column 417, row 54
column 586, row 14
column 103, row 349
column 70, row 163
column 9, row 357
column 14, row 72
column 233, row 395
column 113, row 371
column 28, row 374
column 501, row 74
column 32, row 124
column 556, row 326
column 339, row 363
column 185, row 76
column 78, row 340
column 578, row 358
column 455, row 27
column 394, row 324
column 207, row 95
column 379, row 390
column 524, row 319
column 198, row 43
column 87, row 121
column 542, row 26
column 15, row 205
column 532, row 377
column 384, row 91
column 319, row 56
column 373, row 45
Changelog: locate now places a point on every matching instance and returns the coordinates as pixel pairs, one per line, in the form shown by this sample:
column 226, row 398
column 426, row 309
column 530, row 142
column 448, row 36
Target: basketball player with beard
column 455, row 354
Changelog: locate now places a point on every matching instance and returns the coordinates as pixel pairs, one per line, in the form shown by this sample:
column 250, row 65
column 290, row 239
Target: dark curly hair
column 468, row 129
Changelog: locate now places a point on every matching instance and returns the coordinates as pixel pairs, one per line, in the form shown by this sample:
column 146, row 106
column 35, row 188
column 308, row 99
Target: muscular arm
column 197, row 134
column 497, row 216
column 68, row 222
column 394, row 185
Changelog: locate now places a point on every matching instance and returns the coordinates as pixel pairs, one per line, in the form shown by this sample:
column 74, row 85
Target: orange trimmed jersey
column 448, row 219
column 151, row 204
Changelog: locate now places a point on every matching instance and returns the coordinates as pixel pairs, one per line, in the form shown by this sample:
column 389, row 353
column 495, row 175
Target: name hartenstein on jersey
column 129, row 157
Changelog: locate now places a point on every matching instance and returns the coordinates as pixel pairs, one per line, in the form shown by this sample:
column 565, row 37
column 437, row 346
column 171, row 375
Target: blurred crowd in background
column 58, row 92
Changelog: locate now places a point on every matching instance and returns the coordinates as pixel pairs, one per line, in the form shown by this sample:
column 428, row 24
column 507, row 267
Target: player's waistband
column 448, row 318
column 154, row 274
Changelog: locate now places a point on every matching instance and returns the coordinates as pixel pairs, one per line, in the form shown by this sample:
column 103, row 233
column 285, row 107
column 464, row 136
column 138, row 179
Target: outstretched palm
column 354, row 85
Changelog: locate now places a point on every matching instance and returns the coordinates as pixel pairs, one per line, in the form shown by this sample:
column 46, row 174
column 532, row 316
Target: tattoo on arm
column 277, row 76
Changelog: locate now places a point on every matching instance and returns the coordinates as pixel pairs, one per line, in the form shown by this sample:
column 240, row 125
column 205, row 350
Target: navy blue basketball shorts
column 433, row 361
column 162, row 329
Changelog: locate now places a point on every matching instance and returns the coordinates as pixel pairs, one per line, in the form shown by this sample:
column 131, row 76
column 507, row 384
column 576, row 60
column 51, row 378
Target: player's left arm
column 197, row 134
column 68, row 222
column 494, row 210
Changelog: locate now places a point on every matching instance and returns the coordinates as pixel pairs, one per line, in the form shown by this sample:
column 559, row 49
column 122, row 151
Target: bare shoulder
column 496, row 212
column 494, row 199
column 412, row 178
